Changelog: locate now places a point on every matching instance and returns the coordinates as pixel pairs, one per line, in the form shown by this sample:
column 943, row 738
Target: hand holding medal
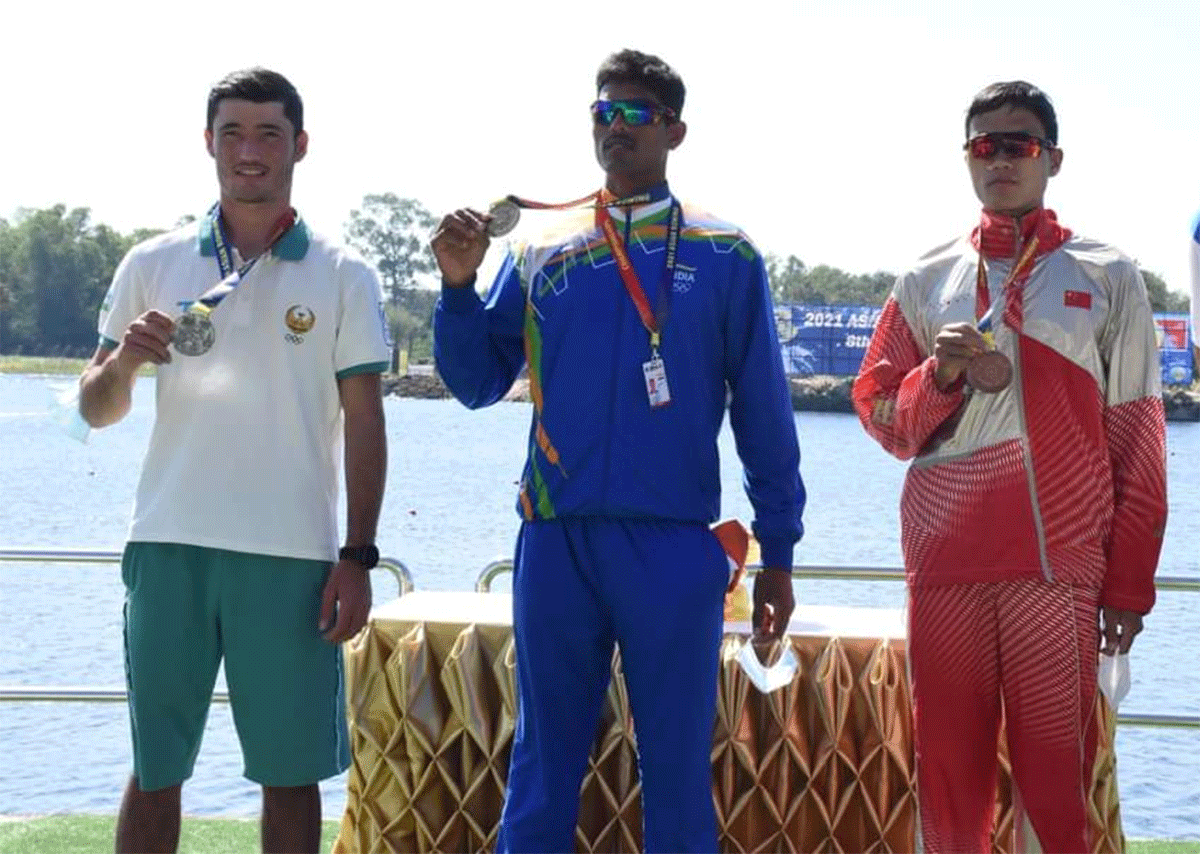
column 459, row 243
column 964, row 349
column 990, row 370
column 503, row 216
column 461, row 239
column 146, row 340
column 194, row 333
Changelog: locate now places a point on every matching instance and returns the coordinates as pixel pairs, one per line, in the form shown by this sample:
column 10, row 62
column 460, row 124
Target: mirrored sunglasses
column 632, row 113
column 1014, row 145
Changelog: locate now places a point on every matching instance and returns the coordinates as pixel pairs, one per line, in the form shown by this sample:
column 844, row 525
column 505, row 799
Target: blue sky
column 830, row 134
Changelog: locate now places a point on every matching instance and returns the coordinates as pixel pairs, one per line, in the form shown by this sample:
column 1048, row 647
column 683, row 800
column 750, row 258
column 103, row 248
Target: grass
column 93, row 834
column 41, row 365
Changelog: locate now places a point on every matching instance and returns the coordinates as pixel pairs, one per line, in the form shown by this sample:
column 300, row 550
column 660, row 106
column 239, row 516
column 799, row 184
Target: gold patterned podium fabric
column 824, row 764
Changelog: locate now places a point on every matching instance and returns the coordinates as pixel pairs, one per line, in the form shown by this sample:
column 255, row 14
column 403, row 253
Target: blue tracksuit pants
column 656, row 588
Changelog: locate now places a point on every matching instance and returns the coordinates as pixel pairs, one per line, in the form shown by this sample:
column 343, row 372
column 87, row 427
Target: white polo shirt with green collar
column 246, row 445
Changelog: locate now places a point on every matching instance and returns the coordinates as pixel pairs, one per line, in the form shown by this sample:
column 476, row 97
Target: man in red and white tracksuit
column 1017, row 367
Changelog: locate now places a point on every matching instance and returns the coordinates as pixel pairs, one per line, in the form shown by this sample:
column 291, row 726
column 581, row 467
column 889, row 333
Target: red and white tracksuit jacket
column 1023, row 511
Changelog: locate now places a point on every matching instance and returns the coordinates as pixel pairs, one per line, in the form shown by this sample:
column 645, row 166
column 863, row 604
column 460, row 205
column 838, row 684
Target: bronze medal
column 503, row 217
column 194, row 334
column 989, row 372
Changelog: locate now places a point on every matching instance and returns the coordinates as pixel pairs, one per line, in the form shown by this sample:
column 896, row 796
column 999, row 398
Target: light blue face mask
column 64, row 411
column 768, row 679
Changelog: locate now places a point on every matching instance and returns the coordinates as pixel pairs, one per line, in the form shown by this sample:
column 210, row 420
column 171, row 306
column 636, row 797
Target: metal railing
column 398, row 570
column 96, row 694
column 483, row 584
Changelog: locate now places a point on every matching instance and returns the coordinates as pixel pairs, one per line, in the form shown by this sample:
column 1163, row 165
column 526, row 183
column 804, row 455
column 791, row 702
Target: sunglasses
column 632, row 113
column 1013, row 145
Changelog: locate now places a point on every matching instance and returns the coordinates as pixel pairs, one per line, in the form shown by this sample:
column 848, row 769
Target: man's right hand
column 459, row 244
column 954, row 348
column 106, row 386
column 147, row 339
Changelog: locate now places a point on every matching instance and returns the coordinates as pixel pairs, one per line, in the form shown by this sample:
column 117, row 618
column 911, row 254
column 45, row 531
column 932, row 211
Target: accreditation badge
column 656, row 382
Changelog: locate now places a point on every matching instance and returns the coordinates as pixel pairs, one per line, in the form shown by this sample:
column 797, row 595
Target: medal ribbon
column 231, row 277
column 985, row 312
column 593, row 200
column 653, row 320
column 596, row 200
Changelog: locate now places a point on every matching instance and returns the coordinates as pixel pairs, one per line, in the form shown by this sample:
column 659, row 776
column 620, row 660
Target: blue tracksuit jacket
column 596, row 446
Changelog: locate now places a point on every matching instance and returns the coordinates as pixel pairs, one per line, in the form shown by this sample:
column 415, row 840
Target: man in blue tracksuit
column 636, row 317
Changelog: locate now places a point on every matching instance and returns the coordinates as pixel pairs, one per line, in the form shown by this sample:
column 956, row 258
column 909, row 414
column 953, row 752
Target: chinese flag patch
column 1077, row 299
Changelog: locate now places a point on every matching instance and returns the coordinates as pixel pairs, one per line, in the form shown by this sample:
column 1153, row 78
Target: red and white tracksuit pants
column 1027, row 644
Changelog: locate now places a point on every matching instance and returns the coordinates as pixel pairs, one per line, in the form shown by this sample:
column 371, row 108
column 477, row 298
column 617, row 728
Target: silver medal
column 504, row 217
column 194, row 334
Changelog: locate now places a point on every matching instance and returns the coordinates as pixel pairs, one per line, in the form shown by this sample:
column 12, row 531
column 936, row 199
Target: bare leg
column 149, row 821
column 291, row 819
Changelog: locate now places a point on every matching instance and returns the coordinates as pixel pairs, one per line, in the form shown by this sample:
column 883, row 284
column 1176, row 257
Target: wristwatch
column 365, row 556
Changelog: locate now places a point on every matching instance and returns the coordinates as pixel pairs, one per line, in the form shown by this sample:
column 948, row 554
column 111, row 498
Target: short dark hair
column 647, row 70
column 260, row 86
column 1015, row 93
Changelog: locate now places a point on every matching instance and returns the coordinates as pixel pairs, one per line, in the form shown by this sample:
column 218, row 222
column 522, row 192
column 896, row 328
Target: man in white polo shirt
column 233, row 550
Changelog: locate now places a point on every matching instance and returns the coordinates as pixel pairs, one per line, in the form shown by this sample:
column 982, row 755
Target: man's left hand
column 773, row 603
column 1118, row 629
column 348, row 595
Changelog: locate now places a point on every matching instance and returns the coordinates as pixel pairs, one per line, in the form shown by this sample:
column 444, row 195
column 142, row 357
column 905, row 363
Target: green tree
column 7, row 239
column 1161, row 298
column 793, row 282
column 393, row 233
column 787, row 278
column 56, row 266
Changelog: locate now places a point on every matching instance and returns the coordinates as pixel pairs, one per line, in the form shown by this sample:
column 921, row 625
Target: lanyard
column 1020, row 271
column 653, row 320
column 231, row 277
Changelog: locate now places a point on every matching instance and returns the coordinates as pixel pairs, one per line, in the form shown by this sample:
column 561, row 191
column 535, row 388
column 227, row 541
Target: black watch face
column 368, row 556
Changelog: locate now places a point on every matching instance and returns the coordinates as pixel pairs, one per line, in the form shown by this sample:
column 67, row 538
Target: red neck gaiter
column 1000, row 236
column 1003, row 236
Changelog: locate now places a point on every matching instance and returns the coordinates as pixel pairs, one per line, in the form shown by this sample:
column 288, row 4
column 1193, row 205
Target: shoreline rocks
column 809, row 394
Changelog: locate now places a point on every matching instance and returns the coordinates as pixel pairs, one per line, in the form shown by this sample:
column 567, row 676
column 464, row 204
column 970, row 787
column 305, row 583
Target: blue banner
column 824, row 339
column 831, row 340
column 1175, row 345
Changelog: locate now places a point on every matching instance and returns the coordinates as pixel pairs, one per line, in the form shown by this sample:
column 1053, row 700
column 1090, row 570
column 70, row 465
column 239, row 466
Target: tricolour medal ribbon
column 231, row 277
column 985, row 308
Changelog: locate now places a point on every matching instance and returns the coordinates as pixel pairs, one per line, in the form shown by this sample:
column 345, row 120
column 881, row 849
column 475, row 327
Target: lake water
column 448, row 512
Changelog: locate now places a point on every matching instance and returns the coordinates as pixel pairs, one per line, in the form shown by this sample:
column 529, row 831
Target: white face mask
column 768, row 679
column 1113, row 678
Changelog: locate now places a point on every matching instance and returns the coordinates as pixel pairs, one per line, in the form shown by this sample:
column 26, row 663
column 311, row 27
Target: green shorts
column 186, row 608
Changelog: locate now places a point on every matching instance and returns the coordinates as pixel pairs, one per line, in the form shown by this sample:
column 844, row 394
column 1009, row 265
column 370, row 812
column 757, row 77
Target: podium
column 823, row 764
